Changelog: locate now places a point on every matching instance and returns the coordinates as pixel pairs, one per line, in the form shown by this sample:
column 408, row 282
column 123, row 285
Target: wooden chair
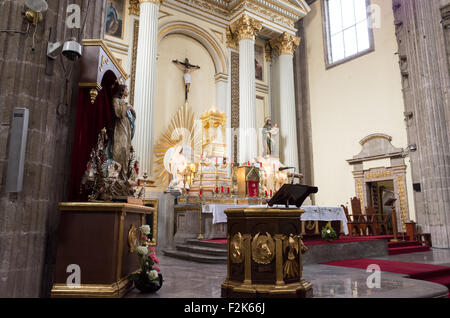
column 358, row 217
column 353, row 227
column 376, row 223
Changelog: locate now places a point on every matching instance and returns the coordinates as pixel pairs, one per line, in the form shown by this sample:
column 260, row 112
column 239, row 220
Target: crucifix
column 187, row 68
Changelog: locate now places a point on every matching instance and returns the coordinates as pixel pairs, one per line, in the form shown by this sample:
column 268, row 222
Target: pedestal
column 100, row 239
column 265, row 254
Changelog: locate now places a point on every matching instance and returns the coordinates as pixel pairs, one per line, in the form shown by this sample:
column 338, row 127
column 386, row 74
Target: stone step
column 403, row 244
column 408, row 249
column 191, row 248
column 207, row 244
column 195, row 257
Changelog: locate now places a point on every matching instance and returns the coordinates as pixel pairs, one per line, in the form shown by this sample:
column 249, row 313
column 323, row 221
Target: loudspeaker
column 417, row 187
column 17, row 147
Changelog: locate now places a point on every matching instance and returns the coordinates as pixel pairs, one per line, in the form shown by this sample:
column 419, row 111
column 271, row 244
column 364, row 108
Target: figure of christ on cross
column 187, row 68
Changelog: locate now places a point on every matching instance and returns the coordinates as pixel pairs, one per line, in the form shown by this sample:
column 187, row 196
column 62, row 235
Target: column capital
column 285, row 44
column 245, row 28
column 134, row 5
column 157, row 2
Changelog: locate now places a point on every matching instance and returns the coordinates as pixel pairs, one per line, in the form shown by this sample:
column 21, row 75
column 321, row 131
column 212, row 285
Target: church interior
column 225, row 149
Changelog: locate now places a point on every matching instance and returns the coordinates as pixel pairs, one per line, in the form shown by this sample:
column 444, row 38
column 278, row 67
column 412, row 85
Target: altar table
column 312, row 213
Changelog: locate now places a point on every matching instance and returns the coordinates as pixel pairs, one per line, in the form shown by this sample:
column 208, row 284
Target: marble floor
column 184, row 279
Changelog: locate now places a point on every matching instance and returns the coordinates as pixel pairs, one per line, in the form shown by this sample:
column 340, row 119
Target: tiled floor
column 184, row 279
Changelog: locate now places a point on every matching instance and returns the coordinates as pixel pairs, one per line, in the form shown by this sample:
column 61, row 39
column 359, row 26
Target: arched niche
column 202, row 36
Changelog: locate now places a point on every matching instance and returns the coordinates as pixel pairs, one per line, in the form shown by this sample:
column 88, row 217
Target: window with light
column 348, row 33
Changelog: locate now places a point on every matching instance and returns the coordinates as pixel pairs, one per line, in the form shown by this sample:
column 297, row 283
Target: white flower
column 328, row 231
column 152, row 275
column 145, row 229
column 142, row 250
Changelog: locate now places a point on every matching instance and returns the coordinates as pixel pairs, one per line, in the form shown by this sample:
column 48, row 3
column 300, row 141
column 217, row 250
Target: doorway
column 379, row 192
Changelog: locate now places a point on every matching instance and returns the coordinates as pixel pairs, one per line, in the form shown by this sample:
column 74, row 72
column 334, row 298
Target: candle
column 217, row 189
column 221, row 189
column 201, row 192
column 271, row 192
column 228, row 190
column 265, row 193
column 217, row 160
column 260, row 165
column 248, row 164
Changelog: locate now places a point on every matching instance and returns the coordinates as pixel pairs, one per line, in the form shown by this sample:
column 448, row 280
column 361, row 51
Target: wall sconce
column 408, row 115
column 412, row 148
column 34, row 15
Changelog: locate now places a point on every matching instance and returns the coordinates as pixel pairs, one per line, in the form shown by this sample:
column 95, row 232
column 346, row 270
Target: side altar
column 99, row 238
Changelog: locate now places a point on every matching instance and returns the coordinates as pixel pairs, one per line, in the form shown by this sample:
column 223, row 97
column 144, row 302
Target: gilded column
column 145, row 84
column 285, row 46
column 245, row 30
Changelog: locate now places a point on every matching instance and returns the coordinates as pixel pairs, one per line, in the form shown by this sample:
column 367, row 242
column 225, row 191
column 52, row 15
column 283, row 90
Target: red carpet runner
column 431, row 273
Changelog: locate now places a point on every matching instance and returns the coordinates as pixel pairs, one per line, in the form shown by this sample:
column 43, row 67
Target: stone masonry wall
column 29, row 220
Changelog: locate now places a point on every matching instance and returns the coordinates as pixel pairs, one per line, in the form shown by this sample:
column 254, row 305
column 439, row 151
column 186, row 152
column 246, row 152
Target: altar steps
column 406, row 247
column 200, row 252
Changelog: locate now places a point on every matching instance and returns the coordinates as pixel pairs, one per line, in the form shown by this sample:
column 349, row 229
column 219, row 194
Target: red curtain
column 90, row 120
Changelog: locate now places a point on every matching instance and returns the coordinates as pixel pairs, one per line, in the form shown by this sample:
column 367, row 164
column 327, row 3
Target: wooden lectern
column 391, row 203
column 265, row 250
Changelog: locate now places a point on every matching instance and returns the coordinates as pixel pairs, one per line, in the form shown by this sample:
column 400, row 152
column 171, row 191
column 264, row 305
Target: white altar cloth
column 312, row 213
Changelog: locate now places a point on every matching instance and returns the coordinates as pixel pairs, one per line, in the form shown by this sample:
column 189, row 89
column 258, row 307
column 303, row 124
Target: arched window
column 347, row 30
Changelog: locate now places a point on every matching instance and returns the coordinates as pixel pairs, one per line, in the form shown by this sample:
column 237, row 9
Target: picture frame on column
column 259, row 62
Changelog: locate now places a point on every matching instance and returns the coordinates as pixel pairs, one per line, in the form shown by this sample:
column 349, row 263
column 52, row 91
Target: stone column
column 424, row 69
column 245, row 30
column 285, row 46
column 145, row 84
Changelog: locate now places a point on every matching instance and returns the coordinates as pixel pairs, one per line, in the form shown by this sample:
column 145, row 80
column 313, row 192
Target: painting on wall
column 115, row 12
column 259, row 62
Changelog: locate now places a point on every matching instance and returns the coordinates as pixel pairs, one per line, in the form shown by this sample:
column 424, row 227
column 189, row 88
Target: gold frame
column 155, row 203
column 263, row 66
column 116, row 290
column 124, row 9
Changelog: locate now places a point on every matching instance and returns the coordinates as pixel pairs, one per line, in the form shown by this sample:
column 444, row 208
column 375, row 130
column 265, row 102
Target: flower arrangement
column 148, row 278
column 328, row 233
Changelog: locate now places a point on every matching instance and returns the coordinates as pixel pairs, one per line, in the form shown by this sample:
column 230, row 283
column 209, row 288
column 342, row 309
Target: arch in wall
column 202, row 36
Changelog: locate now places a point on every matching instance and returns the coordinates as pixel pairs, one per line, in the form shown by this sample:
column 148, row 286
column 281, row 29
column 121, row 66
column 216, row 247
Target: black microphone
column 285, row 168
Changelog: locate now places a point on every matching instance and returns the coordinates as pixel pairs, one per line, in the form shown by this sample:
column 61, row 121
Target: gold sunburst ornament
column 185, row 131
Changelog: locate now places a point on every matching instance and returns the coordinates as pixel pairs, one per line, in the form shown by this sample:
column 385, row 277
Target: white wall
column 351, row 101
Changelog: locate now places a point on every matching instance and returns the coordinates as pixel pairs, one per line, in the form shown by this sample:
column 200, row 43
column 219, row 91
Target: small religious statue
column 187, row 68
column 124, row 116
column 269, row 133
column 177, row 166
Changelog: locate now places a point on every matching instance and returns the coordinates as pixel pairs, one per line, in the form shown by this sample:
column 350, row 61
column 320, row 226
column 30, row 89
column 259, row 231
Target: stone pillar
column 425, row 75
column 285, row 46
column 144, row 97
column 29, row 219
column 302, row 97
column 245, row 30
